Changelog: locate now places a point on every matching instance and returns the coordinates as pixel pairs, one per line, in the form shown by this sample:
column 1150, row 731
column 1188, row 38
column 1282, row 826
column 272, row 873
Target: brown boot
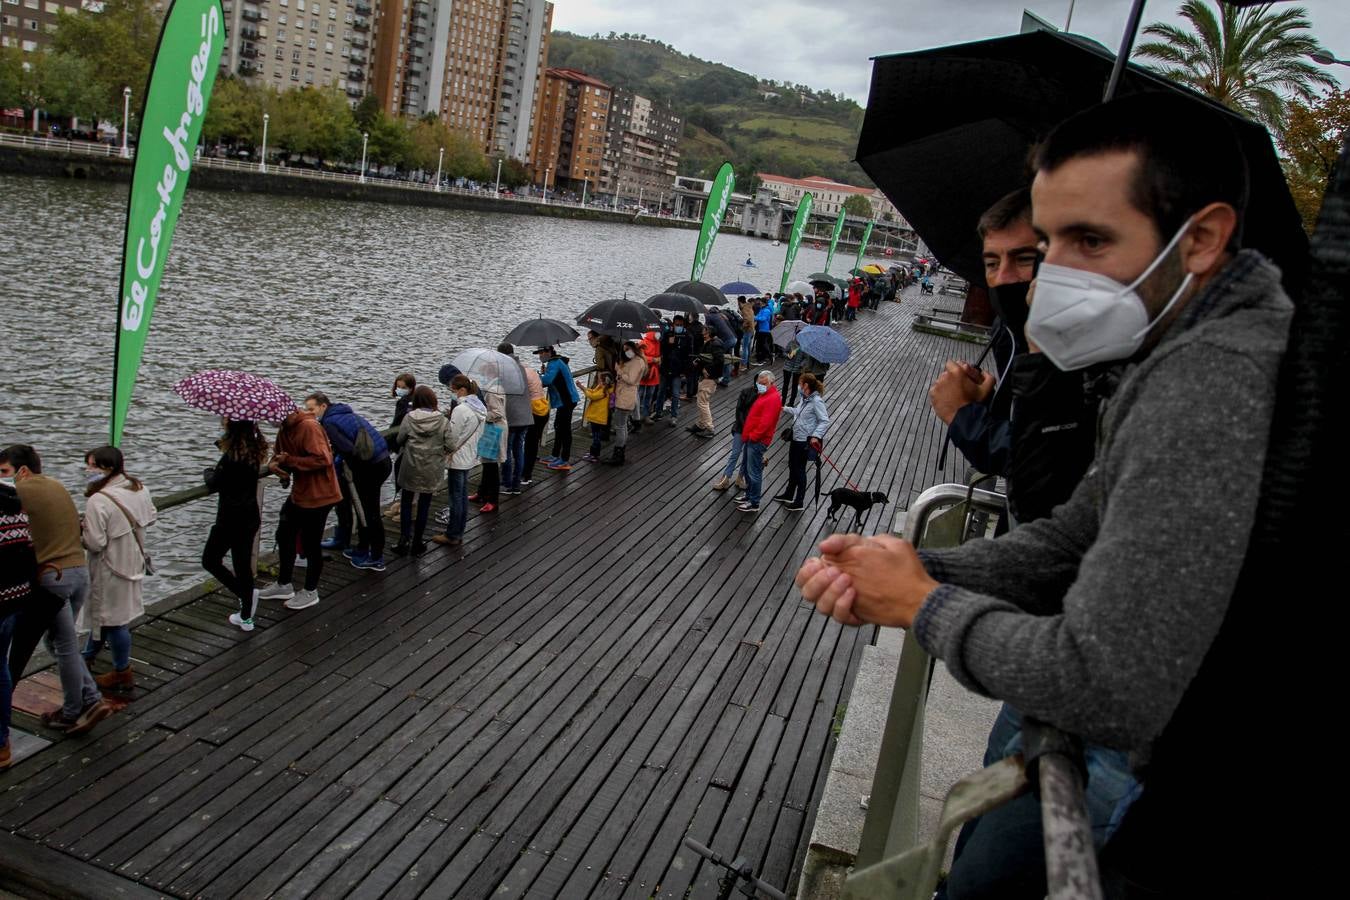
column 722, row 483
column 4, row 755
column 116, row 681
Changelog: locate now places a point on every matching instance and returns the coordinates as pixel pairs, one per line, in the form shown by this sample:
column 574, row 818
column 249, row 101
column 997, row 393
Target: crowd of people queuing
column 67, row 573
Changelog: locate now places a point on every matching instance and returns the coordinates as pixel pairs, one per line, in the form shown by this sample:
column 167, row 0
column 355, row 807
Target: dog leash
column 822, row 455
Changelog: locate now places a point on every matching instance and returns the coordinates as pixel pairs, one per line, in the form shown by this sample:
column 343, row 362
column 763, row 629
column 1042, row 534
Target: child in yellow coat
column 598, row 399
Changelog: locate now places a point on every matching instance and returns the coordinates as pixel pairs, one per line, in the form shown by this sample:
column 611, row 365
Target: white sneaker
column 241, row 622
column 301, row 562
column 276, row 591
column 303, row 600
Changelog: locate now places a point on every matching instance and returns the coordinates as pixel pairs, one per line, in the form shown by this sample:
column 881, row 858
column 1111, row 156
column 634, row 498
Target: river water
column 316, row 294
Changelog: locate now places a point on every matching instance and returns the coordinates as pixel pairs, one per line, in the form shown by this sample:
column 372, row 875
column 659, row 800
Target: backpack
column 363, row 446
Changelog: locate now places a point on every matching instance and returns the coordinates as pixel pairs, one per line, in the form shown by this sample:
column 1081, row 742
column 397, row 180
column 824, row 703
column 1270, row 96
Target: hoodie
column 342, row 425
column 309, row 461
column 424, row 435
column 466, row 425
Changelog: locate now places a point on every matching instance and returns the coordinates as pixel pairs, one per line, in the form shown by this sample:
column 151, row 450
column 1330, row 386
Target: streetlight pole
column 584, row 183
column 126, row 120
column 262, row 160
column 660, row 201
column 365, row 138
column 548, row 170
column 639, row 200
column 498, row 188
column 438, row 168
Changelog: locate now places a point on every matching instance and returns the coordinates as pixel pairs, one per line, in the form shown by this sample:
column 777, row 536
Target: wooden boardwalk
column 616, row 659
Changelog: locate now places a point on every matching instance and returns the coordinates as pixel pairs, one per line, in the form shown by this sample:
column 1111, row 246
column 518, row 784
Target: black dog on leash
column 860, row 501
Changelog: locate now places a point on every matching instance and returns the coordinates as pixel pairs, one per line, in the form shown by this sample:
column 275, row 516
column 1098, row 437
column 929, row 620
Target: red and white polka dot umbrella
column 236, row 395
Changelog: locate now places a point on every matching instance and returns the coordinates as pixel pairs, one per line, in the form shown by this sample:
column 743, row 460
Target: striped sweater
column 18, row 565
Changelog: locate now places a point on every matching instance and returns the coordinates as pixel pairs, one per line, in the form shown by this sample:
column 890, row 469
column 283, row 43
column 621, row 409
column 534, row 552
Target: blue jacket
column 809, row 418
column 341, row 425
column 764, row 319
column 557, row 378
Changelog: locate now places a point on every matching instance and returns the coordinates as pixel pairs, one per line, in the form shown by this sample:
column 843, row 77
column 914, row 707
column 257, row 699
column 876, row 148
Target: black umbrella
column 682, row 303
column 701, row 291
column 829, row 282
column 623, row 319
column 541, row 332
column 999, row 97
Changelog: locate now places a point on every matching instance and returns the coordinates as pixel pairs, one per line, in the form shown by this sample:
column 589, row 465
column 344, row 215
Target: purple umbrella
column 236, row 395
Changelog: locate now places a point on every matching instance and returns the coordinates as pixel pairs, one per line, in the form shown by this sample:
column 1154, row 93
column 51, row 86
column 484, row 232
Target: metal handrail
column 201, row 491
column 890, row 861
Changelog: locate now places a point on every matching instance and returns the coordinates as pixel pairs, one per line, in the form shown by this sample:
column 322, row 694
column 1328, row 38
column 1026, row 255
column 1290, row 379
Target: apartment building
column 569, row 138
column 477, row 64
column 828, row 196
column 642, row 142
column 299, row 43
column 29, row 24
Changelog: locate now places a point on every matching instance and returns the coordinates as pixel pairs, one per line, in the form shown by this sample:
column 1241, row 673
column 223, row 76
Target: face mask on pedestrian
column 7, row 481
column 1010, row 304
column 679, row 329
column 400, row 392
column 94, row 477
column 761, row 387
column 629, row 354
column 1080, row 318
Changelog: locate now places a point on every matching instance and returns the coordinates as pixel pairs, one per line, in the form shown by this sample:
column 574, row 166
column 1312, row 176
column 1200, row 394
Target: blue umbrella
column 823, row 343
column 740, row 289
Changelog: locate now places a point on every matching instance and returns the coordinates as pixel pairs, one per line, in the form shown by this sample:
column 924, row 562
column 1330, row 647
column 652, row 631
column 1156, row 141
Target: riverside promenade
column 615, row 660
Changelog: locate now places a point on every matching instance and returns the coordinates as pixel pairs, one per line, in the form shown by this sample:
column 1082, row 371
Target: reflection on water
column 316, row 294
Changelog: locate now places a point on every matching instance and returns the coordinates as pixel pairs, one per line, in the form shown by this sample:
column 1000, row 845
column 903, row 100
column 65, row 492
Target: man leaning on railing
column 1107, row 619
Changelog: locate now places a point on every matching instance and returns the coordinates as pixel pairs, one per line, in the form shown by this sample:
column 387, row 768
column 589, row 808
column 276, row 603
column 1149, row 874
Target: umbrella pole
column 1126, row 47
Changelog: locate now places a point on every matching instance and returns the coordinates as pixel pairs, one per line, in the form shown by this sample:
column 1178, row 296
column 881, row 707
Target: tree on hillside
column 1311, row 142
column 1251, row 59
column 857, row 205
column 118, row 42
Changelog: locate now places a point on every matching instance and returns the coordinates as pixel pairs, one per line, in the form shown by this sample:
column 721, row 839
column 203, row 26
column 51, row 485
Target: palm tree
column 1251, row 59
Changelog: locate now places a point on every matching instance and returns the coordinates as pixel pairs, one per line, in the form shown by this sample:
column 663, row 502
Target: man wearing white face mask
column 1108, row 619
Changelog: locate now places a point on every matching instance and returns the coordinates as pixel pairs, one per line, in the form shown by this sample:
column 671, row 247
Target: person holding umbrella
column 302, row 460
column 234, row 479
column 810, row 420
column 466, row 425
column 519, row 418
column 632, row 370
column 562, row 398
column 676, row 352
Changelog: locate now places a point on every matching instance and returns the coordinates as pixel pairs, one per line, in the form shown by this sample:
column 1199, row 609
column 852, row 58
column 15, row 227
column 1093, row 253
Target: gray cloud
column 829, row 44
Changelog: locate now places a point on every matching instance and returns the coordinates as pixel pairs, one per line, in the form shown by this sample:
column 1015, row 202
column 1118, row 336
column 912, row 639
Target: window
column 281, row 19
column 300, row 5
column 328, row 47
column 300, row 24
column 32, row 4
column 332, row 29
column 53, row 8
column 295, row 56
column 332, row 12
column 313, row 44
column 31, row 24
column 281, row 35
column 309, row 78
column 29, row 46
column 281, row 54
column 295, row 74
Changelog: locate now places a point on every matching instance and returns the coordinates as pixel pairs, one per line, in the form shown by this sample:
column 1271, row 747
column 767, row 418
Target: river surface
column 316, row 294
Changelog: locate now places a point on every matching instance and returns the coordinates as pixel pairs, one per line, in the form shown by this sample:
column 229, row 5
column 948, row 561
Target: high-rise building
column 642, row 142
column 28, row 24
column 569, row 136
column 299, row 43
column 477, row 64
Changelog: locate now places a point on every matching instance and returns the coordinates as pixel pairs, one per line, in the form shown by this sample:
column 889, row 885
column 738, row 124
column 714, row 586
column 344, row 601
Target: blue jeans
column 6, row 685
column 647, row 399
column 734, row 458
column 77, row 685
column 119, row 636
column 515, row 456
column 747, row 340
column 754, row 472
column 459, row 502
column 597, row 438
column 671, row 388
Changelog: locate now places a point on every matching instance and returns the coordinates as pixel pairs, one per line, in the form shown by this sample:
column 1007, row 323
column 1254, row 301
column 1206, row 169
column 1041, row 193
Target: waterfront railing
column 892, row 860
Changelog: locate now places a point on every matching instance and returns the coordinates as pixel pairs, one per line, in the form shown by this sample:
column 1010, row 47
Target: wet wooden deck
column 616, row 660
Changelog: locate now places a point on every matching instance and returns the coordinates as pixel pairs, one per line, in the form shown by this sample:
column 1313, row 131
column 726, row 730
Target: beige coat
column 630, row 376
column 116, row 566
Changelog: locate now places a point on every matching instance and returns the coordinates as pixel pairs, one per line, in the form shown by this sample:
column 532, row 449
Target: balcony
column 249, row 33
column 355, row 91
column 363, row 9
column 356, row 75
column 251, row 15
column 248, row 53
column 361, row 24
column 357, row 57
column 360, row 42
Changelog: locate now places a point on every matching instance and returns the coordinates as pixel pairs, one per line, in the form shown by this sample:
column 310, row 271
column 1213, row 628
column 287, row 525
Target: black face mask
column 1010, row 304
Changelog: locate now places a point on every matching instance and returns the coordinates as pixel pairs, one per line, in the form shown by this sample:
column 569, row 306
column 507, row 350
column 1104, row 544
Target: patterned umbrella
column 236, row 395
column 823, row 343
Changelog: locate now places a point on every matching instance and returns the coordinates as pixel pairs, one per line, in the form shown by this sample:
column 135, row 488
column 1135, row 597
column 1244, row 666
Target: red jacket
column 762, row 420
column 650, row 345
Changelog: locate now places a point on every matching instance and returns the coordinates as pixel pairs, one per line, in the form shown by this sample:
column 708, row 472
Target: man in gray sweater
column 1097, row 619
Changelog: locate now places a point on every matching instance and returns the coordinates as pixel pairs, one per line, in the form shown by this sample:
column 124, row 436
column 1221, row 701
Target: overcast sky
column 826, row 44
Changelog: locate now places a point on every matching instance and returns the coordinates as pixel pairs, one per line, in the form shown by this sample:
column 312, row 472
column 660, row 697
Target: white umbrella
column 800, row 287
column 492, row 370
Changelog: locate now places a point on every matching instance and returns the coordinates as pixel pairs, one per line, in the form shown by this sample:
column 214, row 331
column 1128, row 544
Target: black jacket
column 1052, row 433
column 676, row 350
column 744, row 400
column 980, row 430
column 712, row 360
column 235, row 482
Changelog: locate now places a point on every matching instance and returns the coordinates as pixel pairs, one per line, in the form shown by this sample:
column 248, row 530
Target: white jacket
column 466, row 425
column 116, row 566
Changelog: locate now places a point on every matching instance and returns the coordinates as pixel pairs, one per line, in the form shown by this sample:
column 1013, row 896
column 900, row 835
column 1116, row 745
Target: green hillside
column 727, row 114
